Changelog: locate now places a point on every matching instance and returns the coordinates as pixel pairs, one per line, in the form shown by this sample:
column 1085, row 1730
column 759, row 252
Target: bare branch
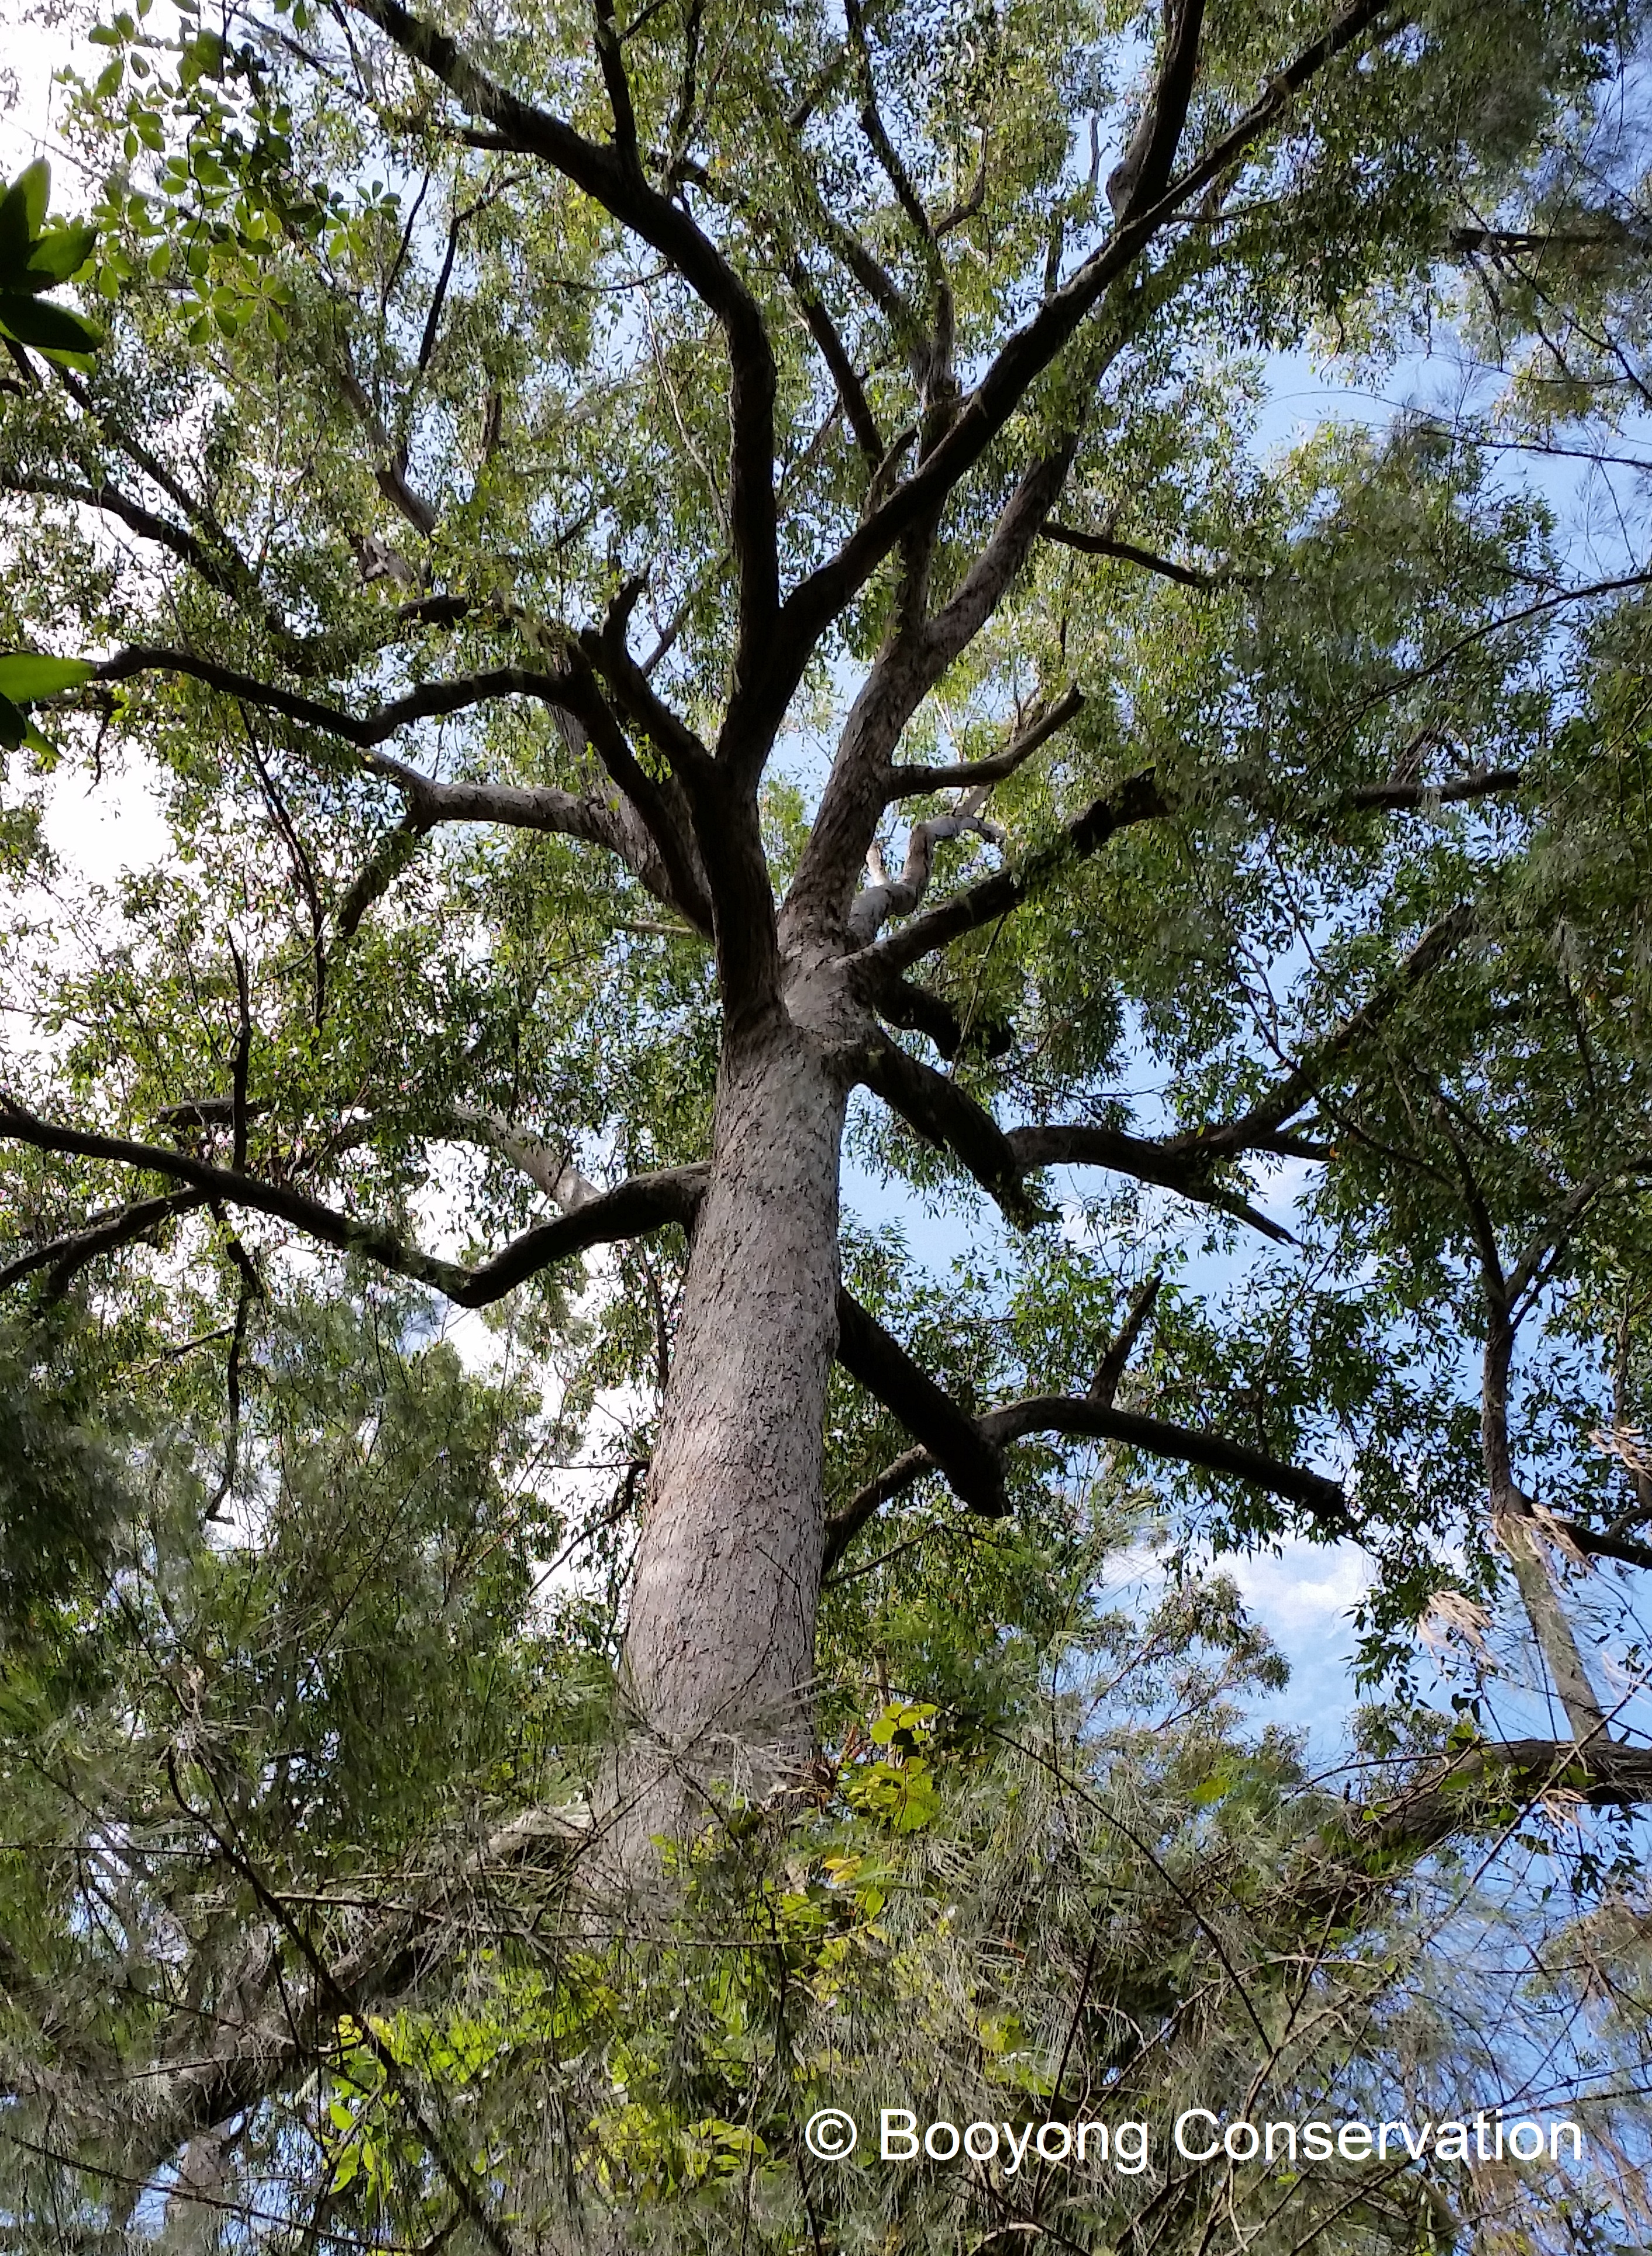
column 430, row 700
column 1605, row 232
column 1138, row 799
column 645, row 1203
column 106, row 1234
column 888, row 896
column 908, row 782
column 657, row 845
column 1102, row 544
column 1601, row 1543
column 1322, row 1500
column 1586, row 592
column 612, row 60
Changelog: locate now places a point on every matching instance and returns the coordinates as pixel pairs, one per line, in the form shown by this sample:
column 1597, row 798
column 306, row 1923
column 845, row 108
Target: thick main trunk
column 719, row 1643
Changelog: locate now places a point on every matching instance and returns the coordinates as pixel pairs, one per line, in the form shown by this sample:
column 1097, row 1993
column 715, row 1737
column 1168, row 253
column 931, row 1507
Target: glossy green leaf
column 58, row 255
column 25, row 675
column 35, row 182
column 53, row 328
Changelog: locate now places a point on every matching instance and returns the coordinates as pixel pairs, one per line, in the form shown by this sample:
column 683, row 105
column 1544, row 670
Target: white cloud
column 1305, row 1593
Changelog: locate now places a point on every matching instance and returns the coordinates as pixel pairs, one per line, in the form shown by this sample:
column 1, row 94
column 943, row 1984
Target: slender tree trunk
column 1514, row 1519
column 719, row 1645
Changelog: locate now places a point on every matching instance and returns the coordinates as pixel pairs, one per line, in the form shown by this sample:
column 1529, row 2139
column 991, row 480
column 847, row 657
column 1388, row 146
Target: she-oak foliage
column 699, row 593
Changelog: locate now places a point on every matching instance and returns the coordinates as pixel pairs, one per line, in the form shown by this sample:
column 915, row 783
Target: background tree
column 787, row 490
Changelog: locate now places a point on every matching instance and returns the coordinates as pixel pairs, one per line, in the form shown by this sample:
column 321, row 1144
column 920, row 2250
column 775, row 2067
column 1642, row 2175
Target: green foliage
column 64, row 1479
column 35, row 258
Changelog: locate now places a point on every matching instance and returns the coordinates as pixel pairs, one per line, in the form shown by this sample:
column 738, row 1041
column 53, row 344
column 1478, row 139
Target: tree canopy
column 1001, row 980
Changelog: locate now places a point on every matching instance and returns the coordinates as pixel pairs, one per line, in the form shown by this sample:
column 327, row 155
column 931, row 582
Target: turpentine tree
column 699, row 593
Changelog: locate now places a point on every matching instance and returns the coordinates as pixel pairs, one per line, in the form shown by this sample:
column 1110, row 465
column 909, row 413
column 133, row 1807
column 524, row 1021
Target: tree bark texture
column 719, row 1644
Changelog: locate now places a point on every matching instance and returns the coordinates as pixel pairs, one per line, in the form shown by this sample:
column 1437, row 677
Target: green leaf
column 26, row 674
column 53, row 328
column 58, row 255
column 35, row 182
column 14, row 231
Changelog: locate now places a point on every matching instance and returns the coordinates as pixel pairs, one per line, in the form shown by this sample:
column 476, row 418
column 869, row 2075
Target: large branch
column 105, row 1233
column 1322, row 1500
column 1001, row 1159
column 1302, row 1082
column 430, row 700
column 948, row 1437
column 1175, row 1165
column 1400, row 798
column 919, row 1011
column 1126, row 551
column 1142, row 177
column 851, row 392
column 915, row 660
column 613, row 177
column 664, row 859
column 1475, row 1788
column 724, row 824
column 1138, row 799
column 1188, row 1164
column 219, row 568
column 968, row 775
column 1601, row 1543
column 632, row 1209
column 944, row 1115
column 889, row 897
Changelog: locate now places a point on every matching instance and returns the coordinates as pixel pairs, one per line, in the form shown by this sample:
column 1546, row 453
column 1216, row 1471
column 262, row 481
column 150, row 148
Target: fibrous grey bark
column 719, row 1648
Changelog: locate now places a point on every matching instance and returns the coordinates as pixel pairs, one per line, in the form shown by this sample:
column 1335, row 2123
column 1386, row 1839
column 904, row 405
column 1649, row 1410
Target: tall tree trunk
column 719, row 1645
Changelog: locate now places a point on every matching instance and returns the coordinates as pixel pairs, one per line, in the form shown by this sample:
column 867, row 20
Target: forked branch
column 950, row 1441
